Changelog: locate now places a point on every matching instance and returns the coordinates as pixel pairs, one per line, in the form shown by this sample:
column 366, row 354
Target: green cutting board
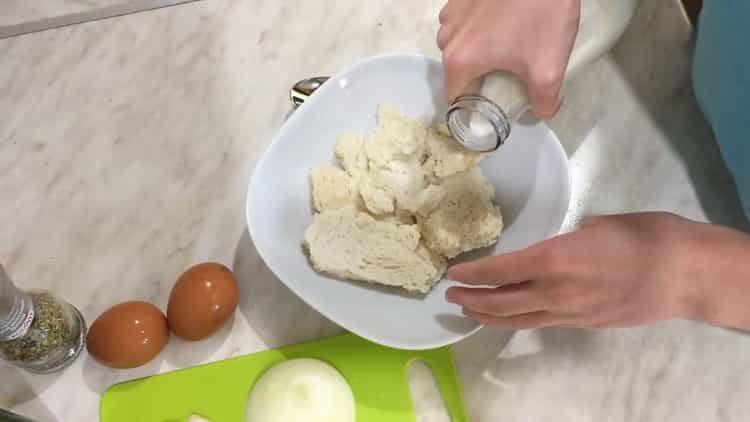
column 219, row 391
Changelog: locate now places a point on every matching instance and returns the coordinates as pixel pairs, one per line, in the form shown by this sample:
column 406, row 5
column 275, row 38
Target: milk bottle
column 481, row 119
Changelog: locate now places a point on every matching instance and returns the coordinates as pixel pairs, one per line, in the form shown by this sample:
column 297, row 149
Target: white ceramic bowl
column 529, row 173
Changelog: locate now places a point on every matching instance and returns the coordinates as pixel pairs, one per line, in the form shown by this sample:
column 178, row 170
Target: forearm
column 717, row 277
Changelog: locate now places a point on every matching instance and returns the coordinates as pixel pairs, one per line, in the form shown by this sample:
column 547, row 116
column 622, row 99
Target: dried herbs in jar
column 38, row 331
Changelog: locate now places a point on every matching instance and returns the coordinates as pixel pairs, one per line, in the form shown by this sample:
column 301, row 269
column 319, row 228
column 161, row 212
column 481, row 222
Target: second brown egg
column 201, row 301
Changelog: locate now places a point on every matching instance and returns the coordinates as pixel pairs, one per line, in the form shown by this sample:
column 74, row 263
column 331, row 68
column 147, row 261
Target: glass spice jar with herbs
column 39, row 332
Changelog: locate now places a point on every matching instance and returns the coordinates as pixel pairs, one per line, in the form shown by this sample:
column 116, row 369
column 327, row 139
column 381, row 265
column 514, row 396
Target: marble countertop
column 24, row 17
column 126, row 146
column 17, row 12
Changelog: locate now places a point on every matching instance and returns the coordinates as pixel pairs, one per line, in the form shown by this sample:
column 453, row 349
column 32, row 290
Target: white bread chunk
column 466, row 219
column 445, row 156
column 332, row 188
column 397, row 138
column 427, row 200
column 377, row 199
column 350, row 151
column 398, row 216
column 404, row 183
column 350, row 244
column 395, row 154
column 406, row 197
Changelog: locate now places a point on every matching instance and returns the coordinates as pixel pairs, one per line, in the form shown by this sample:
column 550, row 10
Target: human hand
column 529, row 38
column 615, row 271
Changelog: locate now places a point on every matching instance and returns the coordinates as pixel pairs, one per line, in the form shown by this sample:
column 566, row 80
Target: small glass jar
column 39, row 332
column 478, row 123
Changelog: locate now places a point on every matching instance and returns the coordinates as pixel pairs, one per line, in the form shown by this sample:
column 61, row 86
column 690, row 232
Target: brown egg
column 202, row 300
column 127, row 335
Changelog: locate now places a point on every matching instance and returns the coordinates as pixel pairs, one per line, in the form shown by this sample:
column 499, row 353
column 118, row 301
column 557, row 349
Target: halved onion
column 301, row 390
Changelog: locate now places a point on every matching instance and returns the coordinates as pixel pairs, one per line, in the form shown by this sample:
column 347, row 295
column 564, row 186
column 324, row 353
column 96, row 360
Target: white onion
column 301, row 390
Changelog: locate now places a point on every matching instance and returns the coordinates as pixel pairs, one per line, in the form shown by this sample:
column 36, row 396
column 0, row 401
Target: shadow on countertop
column 276, row 314
column 491, row 368
column 19, row 393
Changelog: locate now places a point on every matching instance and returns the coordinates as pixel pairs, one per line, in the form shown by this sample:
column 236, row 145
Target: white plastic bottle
column 481, row 120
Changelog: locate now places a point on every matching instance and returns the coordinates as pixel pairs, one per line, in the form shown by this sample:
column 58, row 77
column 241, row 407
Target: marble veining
column 126, row 146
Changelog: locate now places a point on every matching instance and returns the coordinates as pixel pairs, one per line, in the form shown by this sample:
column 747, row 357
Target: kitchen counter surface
column 16, row 12
column 126, row 146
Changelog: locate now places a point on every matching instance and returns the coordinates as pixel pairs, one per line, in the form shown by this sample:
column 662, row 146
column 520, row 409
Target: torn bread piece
column 350, row 152
column 466, row 218
column 332, row 188
column 445, row 156
column 406, row 198
column 351, row 244
column 397, row 138
column 395, row 176
column 404, row 185
column 378, row 200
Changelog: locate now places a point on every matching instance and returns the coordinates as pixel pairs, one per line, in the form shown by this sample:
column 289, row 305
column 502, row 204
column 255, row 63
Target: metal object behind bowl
column 302, row 90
